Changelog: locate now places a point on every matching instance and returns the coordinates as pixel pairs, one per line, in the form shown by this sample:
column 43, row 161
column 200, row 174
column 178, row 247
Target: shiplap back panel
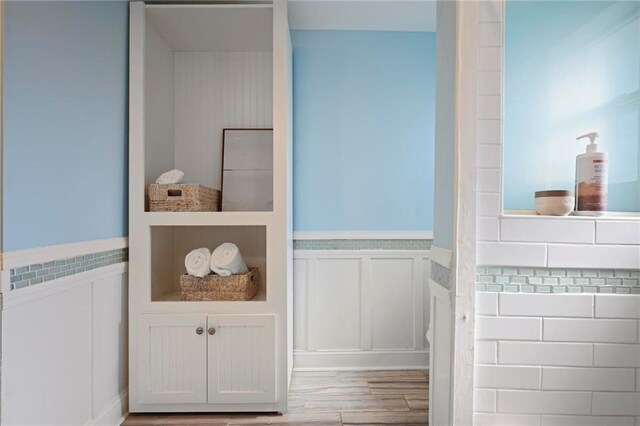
column 159, row 107
column 213, row 91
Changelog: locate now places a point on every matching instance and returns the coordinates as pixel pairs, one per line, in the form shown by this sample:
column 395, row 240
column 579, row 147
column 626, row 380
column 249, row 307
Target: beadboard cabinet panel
column 173, row 359
column 241, row 356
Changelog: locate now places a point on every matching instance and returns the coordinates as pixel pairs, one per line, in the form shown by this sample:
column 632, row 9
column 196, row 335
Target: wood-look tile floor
column 329, row 398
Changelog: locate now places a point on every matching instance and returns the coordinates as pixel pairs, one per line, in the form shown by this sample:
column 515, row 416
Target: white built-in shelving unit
column 196, row 69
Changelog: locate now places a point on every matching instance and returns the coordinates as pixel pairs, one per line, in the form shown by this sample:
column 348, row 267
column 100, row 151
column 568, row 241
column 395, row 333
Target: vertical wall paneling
column 65, row 350
column 360, row 309
column 392, row 282
column 338, row 309
column 367, row 310
column 109, row 340
column 300, row 298
column 213, row 91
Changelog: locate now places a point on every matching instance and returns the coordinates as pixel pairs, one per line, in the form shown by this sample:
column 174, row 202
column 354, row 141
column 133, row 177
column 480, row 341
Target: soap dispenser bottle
column 592, row 175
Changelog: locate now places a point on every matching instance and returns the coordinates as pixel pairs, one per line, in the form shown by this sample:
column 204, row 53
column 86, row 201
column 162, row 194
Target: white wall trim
column 13, row 259
column 375, row 254
column 441, row 256
column 363, row 235
column 115, row 413
column 360, row 360
column 14, row 298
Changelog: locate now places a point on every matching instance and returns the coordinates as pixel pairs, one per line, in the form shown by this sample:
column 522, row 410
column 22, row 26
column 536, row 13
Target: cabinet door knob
column 212, row 331
column 199, row 330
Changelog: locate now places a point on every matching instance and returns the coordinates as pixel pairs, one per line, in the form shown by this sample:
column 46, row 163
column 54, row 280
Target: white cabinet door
column 173, row 359
column 241, row 359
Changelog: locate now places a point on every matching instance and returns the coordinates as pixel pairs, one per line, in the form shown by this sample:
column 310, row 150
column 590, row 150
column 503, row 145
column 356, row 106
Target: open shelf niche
column 207, row 69
column 170, row 245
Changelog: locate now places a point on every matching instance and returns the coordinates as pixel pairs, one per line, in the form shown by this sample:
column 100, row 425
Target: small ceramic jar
column 555, row 203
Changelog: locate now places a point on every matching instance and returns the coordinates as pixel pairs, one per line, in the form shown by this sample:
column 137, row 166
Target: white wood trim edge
column 14, row 259
column 115, row 413
column 14, row 298
column 314, row 254
column 441, row 256
column 363, row 235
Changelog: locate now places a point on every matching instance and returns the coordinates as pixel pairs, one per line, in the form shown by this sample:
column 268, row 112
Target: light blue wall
column 445, row 124
column 363, row 130
column 65, row 122
column 571, row 68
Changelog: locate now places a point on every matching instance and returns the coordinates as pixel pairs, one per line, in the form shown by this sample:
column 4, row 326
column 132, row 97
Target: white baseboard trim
column 115, row 413
column 360, row 360
column 363, row 235
column 14, row 259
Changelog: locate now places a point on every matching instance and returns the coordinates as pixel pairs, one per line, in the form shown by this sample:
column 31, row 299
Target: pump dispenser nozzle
column 593, row 146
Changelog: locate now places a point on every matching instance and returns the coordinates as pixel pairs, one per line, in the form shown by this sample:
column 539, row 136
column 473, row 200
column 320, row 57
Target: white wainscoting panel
column 64, row 358
column 338, row 295
column 358, row 309
column 392, row 313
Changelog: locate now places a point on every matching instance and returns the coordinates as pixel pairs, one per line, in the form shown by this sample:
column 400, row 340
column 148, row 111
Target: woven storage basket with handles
column 214, row 287
column 183, row 197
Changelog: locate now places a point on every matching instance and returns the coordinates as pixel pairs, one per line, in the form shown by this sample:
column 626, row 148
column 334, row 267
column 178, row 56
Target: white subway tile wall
column 526, row 240
column 549, row 359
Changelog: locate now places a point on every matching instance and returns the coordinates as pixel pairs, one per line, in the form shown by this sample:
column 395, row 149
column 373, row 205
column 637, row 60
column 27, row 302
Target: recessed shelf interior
column 207, row 68
column 170, row 245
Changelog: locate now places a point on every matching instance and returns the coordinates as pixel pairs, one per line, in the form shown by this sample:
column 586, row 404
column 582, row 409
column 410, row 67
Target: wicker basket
column 183, row 197
column 214, row 287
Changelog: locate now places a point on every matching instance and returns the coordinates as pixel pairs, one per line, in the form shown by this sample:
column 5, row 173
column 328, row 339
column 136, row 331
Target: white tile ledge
column 530, row 214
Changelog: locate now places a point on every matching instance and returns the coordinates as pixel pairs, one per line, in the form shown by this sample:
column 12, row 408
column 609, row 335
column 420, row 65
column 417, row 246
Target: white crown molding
column 14, row 259
column 441, row 256
column 363, row 235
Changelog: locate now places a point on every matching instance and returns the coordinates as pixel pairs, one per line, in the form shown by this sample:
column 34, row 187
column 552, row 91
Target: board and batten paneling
column 64, row 350
column 213, row 91
column 360, row 309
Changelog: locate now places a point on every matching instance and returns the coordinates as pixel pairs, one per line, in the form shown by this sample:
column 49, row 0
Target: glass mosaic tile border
column 38, row 273
column 557, row 280
column 362, row 244
column 440, row 274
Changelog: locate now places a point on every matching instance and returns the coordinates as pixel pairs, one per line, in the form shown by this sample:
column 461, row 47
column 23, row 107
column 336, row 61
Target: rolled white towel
column 226, row 260
column 198, row 262
column 172, row 176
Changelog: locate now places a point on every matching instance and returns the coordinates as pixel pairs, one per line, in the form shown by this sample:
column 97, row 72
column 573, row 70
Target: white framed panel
column 338, row 303
column 392, row 295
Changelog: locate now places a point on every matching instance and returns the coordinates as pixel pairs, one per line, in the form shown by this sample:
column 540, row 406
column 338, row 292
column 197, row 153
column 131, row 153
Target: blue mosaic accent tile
column 557, row 280
column 352, row 244
column 441, row 275
column 38, row 273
